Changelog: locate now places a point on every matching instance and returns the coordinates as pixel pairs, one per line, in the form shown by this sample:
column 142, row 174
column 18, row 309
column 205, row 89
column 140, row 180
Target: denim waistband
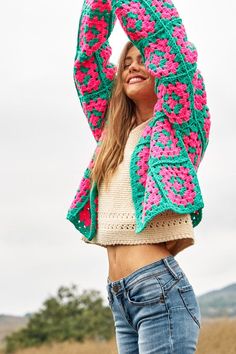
column 166, row 264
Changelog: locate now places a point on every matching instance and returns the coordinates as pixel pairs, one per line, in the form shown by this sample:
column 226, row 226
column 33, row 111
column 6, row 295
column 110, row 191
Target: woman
column 154, row 306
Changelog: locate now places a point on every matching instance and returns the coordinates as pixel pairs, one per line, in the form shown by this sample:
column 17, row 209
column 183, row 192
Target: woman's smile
column 136, row 80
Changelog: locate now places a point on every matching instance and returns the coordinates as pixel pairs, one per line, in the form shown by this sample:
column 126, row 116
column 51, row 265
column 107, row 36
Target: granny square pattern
column 164, row 163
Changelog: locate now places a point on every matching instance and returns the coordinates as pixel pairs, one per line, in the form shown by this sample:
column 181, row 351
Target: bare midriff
column 125, row 259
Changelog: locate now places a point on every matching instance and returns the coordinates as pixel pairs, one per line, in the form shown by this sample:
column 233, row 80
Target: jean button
column 116, row 288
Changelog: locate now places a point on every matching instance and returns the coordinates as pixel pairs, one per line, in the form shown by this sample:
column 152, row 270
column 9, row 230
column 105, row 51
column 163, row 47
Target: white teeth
column 135, row 79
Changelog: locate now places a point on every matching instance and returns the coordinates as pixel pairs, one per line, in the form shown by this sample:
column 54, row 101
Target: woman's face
column 141, row 87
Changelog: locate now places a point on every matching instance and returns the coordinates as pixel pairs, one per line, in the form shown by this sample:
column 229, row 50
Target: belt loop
column 168, row 266
column 109, row 293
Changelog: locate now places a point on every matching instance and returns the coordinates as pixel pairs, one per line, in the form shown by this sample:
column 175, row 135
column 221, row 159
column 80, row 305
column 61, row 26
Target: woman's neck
column 144, row 112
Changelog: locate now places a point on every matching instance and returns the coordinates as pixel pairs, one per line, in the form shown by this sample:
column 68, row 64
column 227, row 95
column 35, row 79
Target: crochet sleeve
column 155, row 28
column 93, row 73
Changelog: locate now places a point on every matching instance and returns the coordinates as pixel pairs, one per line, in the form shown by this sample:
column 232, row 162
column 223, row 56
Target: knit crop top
column 116, row 213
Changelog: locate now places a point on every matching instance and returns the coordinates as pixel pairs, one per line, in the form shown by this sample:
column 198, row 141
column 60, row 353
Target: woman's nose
column 134, row 65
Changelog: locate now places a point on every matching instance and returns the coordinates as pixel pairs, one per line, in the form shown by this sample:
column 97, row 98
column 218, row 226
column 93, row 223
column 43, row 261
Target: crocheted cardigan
column 164, row 163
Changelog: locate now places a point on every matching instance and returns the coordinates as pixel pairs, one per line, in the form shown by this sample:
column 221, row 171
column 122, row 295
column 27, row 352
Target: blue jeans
column 155, row 310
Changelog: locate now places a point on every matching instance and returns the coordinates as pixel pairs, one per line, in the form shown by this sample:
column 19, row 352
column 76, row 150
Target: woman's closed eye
column 126, row 65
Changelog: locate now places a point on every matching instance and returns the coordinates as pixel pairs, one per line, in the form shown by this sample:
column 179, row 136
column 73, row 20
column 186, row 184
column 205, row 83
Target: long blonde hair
column 120, row 119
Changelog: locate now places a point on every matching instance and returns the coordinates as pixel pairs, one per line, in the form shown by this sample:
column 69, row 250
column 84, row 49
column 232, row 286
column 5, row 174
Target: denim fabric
column 155, row 310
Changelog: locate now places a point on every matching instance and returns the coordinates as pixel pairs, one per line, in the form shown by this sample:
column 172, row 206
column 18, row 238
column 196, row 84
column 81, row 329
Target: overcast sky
column 46, row 145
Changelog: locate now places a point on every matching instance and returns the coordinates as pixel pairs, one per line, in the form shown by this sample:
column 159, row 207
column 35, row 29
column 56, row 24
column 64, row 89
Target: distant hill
column 219, row 303
column 9, row 324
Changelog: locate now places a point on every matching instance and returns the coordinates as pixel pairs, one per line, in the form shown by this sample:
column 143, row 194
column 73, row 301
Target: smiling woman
column 140, row 197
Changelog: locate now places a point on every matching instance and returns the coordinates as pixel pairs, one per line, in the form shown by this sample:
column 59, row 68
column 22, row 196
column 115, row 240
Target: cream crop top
column 116, row 214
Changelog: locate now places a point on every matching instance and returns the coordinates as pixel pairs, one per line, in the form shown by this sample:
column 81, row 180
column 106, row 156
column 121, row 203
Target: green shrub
column 68, row 315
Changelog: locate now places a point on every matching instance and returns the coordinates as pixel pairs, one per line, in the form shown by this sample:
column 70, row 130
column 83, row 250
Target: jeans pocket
column 191, row 303
column 145, row 291
column 168, row 280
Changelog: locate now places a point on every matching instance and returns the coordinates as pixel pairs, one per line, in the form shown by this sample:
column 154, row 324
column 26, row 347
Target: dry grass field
column 216, row 337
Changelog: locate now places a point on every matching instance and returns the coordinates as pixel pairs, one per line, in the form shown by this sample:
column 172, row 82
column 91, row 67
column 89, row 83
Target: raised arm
column 155, row 28
column 93, row 73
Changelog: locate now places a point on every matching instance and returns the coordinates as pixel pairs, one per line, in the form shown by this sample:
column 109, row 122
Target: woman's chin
column 138, row 94
column 139, row 89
